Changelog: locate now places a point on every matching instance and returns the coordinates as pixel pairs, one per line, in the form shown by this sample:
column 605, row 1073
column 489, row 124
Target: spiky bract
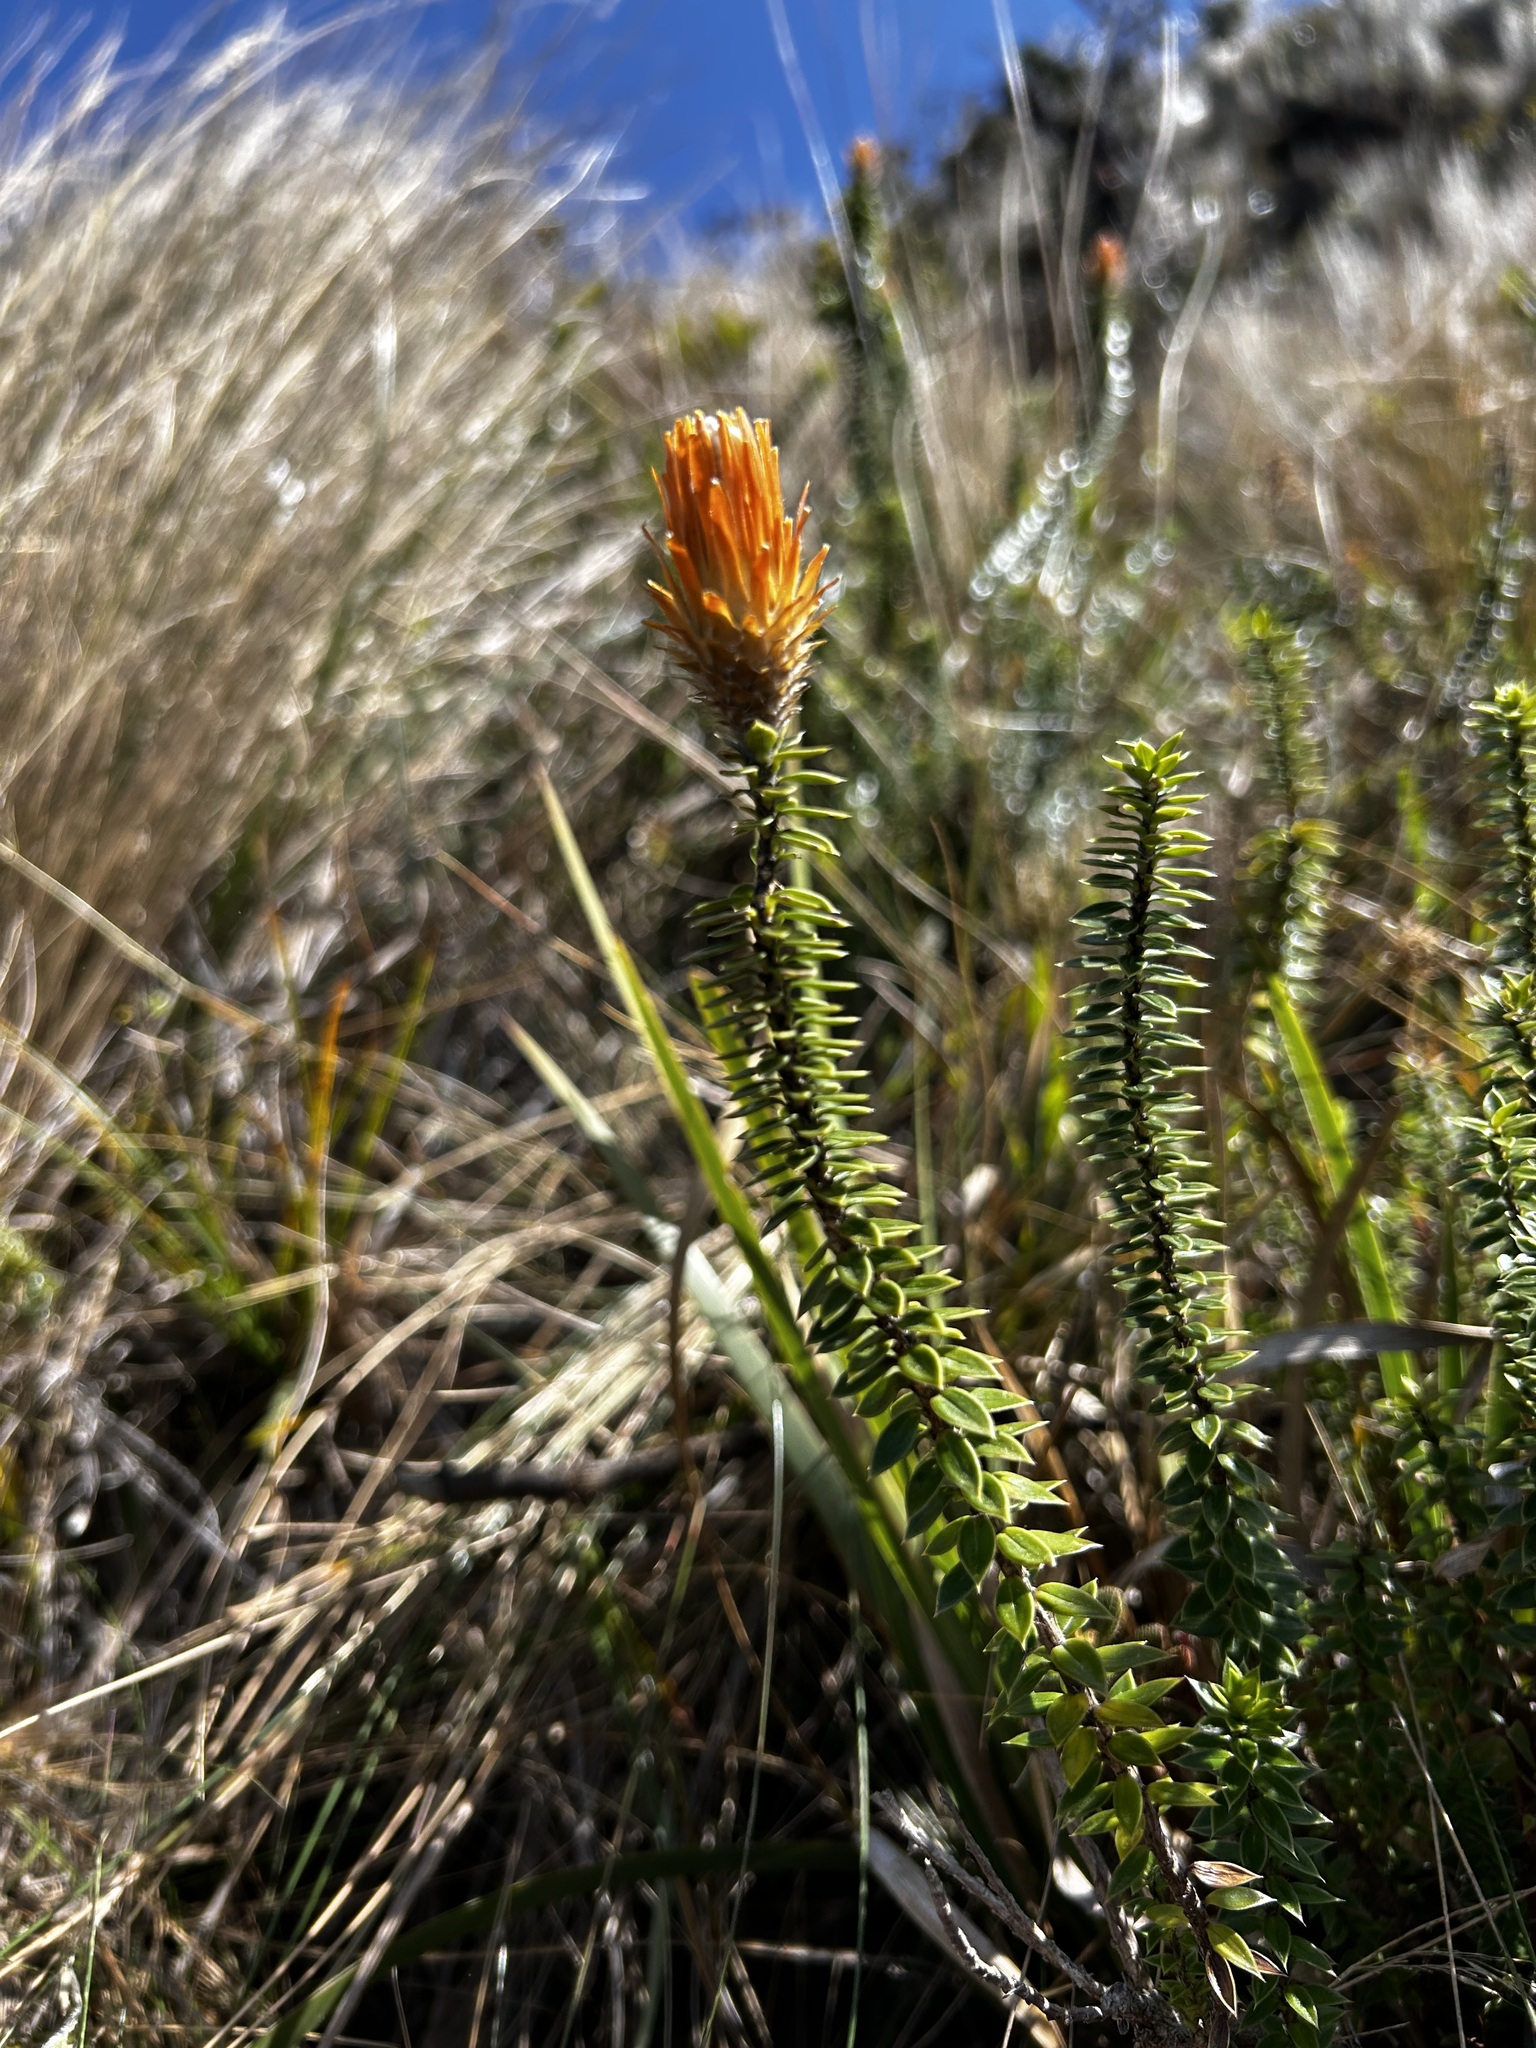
column 739, row 609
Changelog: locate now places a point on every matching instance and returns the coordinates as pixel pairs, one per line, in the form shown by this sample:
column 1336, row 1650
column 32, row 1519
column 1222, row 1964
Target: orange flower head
column 738, row 609
column 864, row 157
column 1105, row 262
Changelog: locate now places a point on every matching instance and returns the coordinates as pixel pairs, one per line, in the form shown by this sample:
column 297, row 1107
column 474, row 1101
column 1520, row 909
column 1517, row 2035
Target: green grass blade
column 1331, row 1131
column 686, row 1106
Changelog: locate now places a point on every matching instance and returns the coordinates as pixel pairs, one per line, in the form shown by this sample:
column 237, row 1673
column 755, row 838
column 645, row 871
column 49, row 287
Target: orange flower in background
column 739, row 611
column 864, row 157
column 1105, row 262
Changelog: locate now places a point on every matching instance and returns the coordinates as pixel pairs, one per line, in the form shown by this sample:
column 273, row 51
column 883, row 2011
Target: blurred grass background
column 328, row 1149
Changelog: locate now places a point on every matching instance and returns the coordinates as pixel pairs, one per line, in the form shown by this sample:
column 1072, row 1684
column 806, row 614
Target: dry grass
column 313, row 483
column 300, row 476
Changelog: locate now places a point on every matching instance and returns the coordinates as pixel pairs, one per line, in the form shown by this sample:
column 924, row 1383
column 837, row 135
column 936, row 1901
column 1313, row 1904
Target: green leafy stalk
column 1132, row 1058
column 871, row 1292
column 876, row 1299
column 1501, row 577
column 1502, row 1172
column 937, row 1402
column 853, row 291
column 774, row 1017
column 1504, row 731
column 1288, row 866
column 1289, row 861
column 1048, row 547
column 1134, row 1105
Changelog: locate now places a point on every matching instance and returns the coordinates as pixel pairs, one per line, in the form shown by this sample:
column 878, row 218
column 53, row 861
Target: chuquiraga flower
column 739, row 610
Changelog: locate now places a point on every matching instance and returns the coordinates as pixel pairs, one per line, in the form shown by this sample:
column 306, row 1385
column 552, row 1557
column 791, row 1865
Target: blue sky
column 713, row 122
column 695, row 88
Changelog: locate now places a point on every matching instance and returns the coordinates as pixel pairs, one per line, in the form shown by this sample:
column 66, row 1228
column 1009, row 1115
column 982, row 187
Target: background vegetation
column 342, row 1183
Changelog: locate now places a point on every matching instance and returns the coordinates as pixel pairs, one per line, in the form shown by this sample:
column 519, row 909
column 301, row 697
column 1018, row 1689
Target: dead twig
column 462, row 1485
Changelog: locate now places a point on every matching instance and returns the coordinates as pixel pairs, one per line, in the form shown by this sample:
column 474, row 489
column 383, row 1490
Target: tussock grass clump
column 296, row 390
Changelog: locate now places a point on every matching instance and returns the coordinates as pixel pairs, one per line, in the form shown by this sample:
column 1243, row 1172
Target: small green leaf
column 976, row 1547
column 964, row 1412
column 925, row 1487
column 1033, row 1702
column 997, row 1401
column 1064, row 1714
column 1080, row 1754
column 1237, row 1898
column 897, row 1441
column 1130, row 1746
column 1306, row 1952
column 832, row 1325
column 1030, row 1492
column 1170, row 1792
column 960, row 1464
column 1128, row 1814
column 1034, row 1548
column 955, row 1586
column 1101, row 1822
column 1078, row 1660
column 1016, row 1609
column 879, row 1396
column 924, row 1365
column 1085, row 1807
column 1120, row 1658
column 857, row 1274
column 1229, row 1943
column 1127, row 1713
column 993, row 1499
column 1079, row 1603
column 1131, row 1873
column 1008, row 1663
